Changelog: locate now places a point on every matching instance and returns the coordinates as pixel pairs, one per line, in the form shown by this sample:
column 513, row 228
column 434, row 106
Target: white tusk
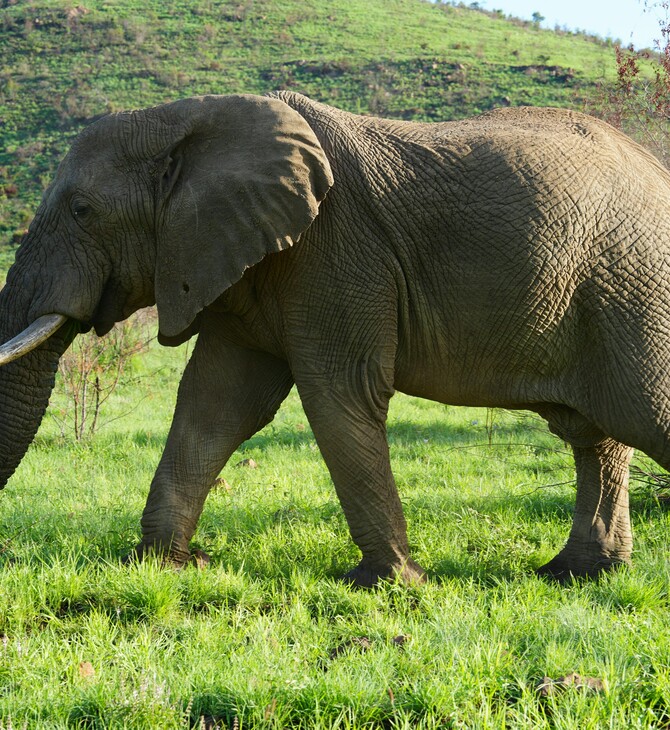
column 35, row 334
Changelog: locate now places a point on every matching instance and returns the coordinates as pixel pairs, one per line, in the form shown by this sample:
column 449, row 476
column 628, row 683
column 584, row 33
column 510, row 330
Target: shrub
column 638, row 103
column 92, row 368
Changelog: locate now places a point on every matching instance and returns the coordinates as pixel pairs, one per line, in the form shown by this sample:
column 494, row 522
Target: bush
column 92, row 368
column 639, row 103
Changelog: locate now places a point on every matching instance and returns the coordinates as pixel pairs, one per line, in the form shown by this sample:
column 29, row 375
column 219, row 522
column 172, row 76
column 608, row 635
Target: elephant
column 519, row 259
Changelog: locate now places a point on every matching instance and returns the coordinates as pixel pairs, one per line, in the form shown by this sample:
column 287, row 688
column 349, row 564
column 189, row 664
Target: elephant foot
column 564, row 567
column 199, row 558
column 368, row 575
column 169, row 558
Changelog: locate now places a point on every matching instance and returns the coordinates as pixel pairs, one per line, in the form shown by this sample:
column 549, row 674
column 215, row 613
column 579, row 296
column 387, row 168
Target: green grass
column 267, row 635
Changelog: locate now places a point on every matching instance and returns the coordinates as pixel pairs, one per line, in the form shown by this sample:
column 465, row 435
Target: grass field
column 267, row 637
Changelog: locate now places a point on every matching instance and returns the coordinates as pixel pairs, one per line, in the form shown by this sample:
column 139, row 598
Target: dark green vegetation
column 266, row 636
column 63, row 64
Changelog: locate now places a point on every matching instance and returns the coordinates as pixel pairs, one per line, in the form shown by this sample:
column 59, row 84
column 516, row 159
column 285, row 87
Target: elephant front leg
column 601, row 536
column 351, row 434
column 226, row 395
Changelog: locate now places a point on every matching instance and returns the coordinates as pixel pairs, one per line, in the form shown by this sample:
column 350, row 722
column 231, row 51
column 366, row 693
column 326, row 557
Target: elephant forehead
column 99, row 147
column 97, row 168
column 77, row 172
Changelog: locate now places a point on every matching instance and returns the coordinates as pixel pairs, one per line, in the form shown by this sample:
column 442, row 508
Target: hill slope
column 64, row 65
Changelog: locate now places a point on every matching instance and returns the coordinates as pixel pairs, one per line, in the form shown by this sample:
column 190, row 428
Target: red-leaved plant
column 638, row 102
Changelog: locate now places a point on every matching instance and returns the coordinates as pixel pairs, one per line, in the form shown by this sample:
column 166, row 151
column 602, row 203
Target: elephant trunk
column 25, row 383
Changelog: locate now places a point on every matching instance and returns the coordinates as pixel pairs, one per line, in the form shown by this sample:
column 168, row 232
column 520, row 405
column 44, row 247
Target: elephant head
column 167, row 205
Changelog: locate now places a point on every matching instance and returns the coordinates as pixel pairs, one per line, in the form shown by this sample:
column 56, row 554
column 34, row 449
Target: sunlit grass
column 266, row 634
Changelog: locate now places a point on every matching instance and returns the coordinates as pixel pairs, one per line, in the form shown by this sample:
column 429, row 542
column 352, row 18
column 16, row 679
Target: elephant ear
column 241, row 177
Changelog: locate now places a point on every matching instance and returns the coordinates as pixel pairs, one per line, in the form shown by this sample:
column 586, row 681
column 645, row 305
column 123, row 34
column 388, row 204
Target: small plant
column 492, row 424
column 637, row 103
column 92, row 368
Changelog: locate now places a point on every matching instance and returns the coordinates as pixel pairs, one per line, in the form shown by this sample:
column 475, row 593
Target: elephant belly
column 489, row 371
column 453, row 387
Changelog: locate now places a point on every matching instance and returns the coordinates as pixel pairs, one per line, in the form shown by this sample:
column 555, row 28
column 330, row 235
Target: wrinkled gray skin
column 520, row 259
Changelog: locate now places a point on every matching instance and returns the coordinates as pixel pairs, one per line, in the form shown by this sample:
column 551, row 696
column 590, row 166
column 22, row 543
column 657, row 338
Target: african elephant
column 520, row 259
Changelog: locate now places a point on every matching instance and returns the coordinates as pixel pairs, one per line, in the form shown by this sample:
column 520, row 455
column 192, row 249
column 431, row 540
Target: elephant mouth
column 102, row 322
column 31, row 337
column 116, row 304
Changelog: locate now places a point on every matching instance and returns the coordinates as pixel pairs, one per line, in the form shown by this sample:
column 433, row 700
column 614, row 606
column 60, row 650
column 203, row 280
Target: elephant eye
column 80, row 209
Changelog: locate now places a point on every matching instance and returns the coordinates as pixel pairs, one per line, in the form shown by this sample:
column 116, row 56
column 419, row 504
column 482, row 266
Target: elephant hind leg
column 600, row 537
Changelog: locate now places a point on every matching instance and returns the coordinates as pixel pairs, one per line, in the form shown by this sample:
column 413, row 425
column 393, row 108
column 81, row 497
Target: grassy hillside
column 64, row 64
